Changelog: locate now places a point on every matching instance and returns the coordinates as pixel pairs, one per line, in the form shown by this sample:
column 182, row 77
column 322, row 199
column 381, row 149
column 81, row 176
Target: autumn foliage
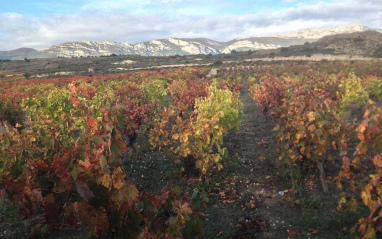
column 320, row 109
column 66, row 161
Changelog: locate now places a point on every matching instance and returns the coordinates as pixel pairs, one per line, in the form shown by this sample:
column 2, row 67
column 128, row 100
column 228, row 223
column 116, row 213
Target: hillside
column 18, row 53
column 359, row 43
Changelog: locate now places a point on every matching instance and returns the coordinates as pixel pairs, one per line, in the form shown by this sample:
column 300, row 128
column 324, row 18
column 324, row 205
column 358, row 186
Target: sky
column 41, row 23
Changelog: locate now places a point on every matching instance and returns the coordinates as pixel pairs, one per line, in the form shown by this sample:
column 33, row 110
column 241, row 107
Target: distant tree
column 218, row 63
column 26, row 60
column 113, row 55
column 233, row 52
column 358, row 40
column 27, row 75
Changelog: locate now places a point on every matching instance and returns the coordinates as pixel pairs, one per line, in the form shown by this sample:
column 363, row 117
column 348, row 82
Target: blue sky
column 40, row 8
column 41, row 23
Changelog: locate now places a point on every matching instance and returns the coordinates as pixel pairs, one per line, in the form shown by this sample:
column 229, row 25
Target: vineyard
column 255, row 150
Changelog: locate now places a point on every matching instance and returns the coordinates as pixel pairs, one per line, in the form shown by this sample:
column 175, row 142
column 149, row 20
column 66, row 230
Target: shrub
column 218, row 63
column 27, row 75
column 378, row 52
column 11, row 112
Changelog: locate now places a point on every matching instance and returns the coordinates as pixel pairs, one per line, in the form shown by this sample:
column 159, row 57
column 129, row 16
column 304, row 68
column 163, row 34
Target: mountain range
column 179, row 46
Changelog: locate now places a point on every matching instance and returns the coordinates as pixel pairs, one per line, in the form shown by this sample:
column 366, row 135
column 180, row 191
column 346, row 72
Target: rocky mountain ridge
column 317, row 33
column 182, row 46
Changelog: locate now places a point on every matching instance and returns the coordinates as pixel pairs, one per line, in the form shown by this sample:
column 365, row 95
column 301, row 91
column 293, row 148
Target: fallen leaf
column 265, row 195
column 229, row 201
column 313, row 231
column 292, row 233
column 255, row 223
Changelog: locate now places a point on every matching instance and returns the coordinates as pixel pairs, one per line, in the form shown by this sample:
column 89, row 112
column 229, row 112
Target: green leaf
column 74, row 173
column 104, row 165
column 172, row 220
column 81, row 153
column 97, row 140
column 378, row 143
column 121, row 121
column 204, row 196
column 195, row 193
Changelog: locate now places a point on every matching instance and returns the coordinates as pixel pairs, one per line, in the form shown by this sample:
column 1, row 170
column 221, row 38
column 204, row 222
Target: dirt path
column 258, row 142
column 253, row 181
column 253, row 196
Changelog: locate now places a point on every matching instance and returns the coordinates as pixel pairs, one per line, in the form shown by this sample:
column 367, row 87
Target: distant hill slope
column 18, row 53
column 188, row 46
column 368, row 43
column 359, row 43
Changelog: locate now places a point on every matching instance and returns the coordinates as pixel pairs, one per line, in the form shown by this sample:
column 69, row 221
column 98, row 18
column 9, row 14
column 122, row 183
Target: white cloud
column 90, row 24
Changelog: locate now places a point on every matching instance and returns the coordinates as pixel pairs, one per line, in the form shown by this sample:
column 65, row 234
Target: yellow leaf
column 175, row 136
column 312, row 127
column 204, row 171
column 367, row 113
column 198, row 164
column 184, row 137
column 118, row 178
column 18, row 125
column 311, row 116
column 106, row 180
column 220, row 167
column 361, row 128
column 370, row 233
